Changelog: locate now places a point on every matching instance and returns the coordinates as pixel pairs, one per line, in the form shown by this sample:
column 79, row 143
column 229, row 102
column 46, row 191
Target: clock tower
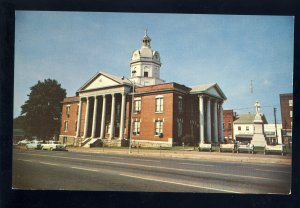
column 145, row 64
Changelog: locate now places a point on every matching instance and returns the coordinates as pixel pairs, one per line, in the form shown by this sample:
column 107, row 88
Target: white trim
column 159, row 96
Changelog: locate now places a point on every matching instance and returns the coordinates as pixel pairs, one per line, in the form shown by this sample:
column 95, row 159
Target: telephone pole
column 275, row 125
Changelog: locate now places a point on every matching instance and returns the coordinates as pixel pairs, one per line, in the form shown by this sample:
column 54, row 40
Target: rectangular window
column 75, row 126
column 66, row 126
column 137, row 106
column 179, row 129
column 247, row 128
column 68, row 110
column 229, row 125
column 136, row 127
column 291, row 114
column 180, row 108
column 291, row 103
column 118, row 109
column 145, row 74
column 158, row 128
column 239, row 128
column 159, row 103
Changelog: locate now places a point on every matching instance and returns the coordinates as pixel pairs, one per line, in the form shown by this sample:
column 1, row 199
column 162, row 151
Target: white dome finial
column 146, row 40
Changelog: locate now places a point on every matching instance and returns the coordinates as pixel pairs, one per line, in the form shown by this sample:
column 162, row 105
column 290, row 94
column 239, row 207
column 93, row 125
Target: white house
column 244, row 129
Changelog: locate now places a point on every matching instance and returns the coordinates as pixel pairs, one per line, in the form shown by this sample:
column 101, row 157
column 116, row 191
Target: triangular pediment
column 213, row 91
column 101, row 80
column 210, row 89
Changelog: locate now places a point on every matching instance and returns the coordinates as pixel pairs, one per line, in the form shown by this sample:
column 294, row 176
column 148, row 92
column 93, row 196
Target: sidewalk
column 192, row 154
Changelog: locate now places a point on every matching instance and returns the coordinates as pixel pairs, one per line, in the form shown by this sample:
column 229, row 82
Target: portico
column 210, row 113
column 101, row 111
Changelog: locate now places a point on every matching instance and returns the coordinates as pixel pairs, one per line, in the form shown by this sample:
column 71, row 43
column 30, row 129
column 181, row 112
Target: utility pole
column 251, row 87
column 275, row 125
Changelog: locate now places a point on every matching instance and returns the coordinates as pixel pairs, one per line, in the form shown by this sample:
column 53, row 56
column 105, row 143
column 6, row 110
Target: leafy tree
column 19, row 122
column 42, row 111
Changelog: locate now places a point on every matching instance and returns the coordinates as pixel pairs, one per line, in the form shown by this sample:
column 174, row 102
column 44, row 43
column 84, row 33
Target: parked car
column 23, row 142
column 53, row 145
column 35, row 144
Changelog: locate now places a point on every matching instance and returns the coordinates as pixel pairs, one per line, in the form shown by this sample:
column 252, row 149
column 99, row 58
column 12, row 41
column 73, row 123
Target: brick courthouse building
column 164, row 114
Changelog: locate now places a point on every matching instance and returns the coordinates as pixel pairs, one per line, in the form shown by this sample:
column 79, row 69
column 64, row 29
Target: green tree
column 42, row 111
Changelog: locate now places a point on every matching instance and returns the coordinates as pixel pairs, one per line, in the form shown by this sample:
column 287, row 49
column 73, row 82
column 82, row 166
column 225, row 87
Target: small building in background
column 270, row 133
column 244, row 127
column 286, row 106
column 229, row 116
column 18, row 135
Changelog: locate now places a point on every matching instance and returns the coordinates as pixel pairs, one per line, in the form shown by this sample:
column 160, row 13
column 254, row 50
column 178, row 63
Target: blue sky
column 195, row 49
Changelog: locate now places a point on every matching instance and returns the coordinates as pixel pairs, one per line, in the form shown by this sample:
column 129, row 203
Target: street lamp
column 131, row 123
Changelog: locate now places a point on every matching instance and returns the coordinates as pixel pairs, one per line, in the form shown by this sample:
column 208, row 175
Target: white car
column 53, row 145
column 35, row 144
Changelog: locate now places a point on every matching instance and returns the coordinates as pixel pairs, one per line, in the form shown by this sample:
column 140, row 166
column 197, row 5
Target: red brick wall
column 83, row 111
column 148, row 114
column 285, row 110
column 72, row 118
column 228, row 117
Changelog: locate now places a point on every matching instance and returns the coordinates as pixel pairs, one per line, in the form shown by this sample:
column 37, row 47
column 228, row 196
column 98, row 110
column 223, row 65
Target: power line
column 265, row 106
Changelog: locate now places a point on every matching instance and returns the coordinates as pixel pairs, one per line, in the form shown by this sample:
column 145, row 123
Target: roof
column 245, row 119
column 117, row 79
column 248, row 119
column 202, row 87
column 206, row 89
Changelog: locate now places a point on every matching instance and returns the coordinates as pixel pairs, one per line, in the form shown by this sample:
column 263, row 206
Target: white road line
column 79, row 168
column 148, row 160
column 119, row 158
column 197, row 164
column 182, row 184
column 275, row 171
column 46, row 163
column 159, row 167
column 25, row 160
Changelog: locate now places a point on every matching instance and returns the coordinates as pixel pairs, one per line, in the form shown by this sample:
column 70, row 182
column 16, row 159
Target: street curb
column 231, row 157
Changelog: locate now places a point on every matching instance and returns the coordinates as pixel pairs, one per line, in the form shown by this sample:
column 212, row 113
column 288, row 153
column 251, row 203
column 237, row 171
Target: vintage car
column 35, row 144
column 53, row 145
column 281, row 148
column 245, row 147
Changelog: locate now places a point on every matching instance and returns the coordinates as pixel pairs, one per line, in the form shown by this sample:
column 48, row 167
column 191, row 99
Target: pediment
column 100, row 80
column 213, row 91
column 210, row 89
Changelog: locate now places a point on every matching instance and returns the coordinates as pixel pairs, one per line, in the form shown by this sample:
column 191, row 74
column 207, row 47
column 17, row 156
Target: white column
column 215, row 122
column 201, row 119
column 103, row 117
column 121, row 134
column 86, row 117
column 79, row 119
column 208, row 122
column 221, row 123
column 94, row 117
column 112, row 117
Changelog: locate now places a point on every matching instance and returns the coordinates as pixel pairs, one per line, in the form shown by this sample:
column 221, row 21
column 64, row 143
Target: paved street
column 114, row 172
